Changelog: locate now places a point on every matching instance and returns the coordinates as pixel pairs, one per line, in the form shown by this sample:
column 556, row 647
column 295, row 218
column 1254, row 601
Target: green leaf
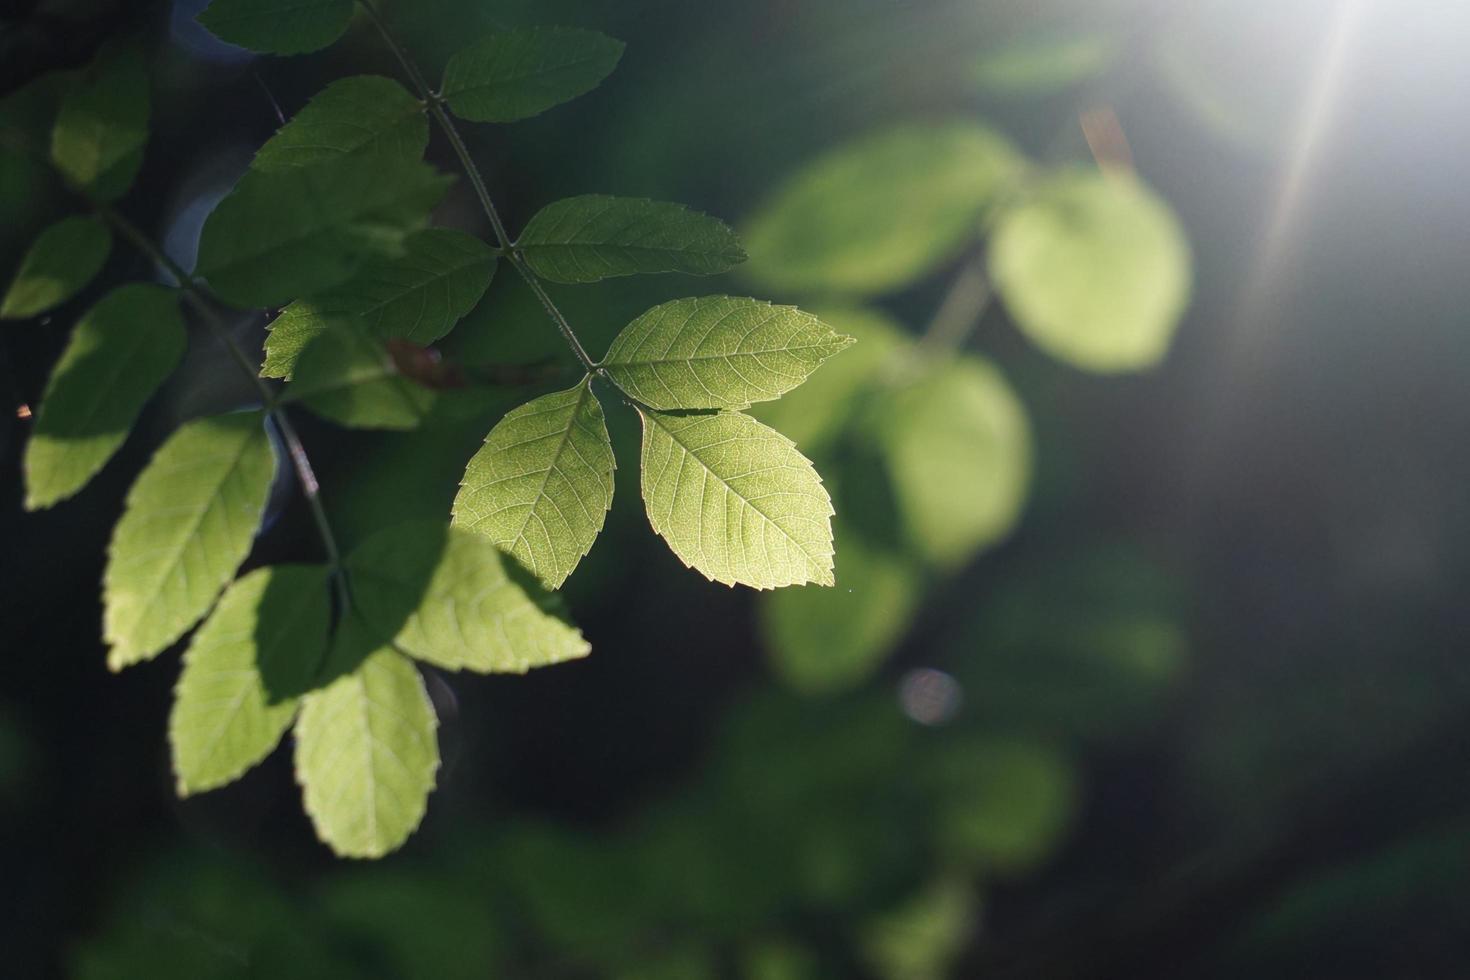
column 718, row 352
column 541, row 485
column 62, row 260
column 958, row 450
column 592, row 237
column 366, row 755
column 120, row 352
column 759, row 516
column 1044, row 64
column 226, row 715
column 451, row 598
column 188, row 523
column 348, row 377
column 881, row 212
column 521, row 73
column 366, row 115
column 922, row 938
column 419, row 296
column 1095, row 269
column 102, row 127
column 278, row 26
column 286, row 233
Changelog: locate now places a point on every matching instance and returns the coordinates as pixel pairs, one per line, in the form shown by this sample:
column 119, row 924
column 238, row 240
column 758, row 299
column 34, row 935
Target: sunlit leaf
column 584, row 239
column 366, row 115
column 62, row 260
column 451, row 598
column 735, row 500
column 1095, row 269
column 881, row 212
column 292, row 232
column 366, row 755
column 348, row 377
column 187, row 525
column 419, row 296
column 278, row 26
column 542, row 484
column 1043, row 64
column 923, row 937
column 225, row 717
column 102, row 127
column 516, row 74
column 120, row 352
column 718, row 352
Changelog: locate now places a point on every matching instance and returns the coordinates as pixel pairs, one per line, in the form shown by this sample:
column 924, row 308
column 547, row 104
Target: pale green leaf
column 451, row 598
column 516, row 74
column 542, row 483
column 366, row 115
column 584, row 239
column 1095, row 269
column 958, row 449
column 735, row 500
column 278, row 26
column 120, row 352
column 419, row 296
column 348, row 377
column 718, row 352
column 286, row 233
column 1044, row 63
column 102, row 127
column 923, row 937
column 62, row 260
column 881, row 212
column 187, row 525
column 366, row 755
column 227, row 715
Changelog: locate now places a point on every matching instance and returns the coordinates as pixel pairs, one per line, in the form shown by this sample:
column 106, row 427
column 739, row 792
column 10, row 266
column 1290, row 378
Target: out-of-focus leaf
column 366, row 115
column 187, row 525
column 521, row 73
column 779, row 959
column 278, row 26
column 348, row 377
column 1095, row 269
column 881, row 212
column 102, row 126
column 1044, row 64
column 120, row 352
column 592, row 237
column 923, row 937
column 62, row 260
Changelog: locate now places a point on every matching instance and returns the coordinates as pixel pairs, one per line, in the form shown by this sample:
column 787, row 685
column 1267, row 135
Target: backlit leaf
column 120, row 352
column 348, row 377
column 584, row 239
column 187, row 525
column 366, row 115
column 1043, row 64
column 718, row 352
column 278, row 26
column 102, row 126
column 62, row 260
column 542, row 484
column 735, row 500
column 515, row 74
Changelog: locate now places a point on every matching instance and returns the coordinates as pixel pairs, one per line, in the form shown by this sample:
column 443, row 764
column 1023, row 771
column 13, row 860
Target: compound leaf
column 541, row 485
column 187, row 525
column 62, row 260
column 735, row 500
column 348, row 377
column 120, row 352
column 521, row 73
column 592, row 237
column 718, row 352
column 102, row 126
column 278, row 26
column 367, row 115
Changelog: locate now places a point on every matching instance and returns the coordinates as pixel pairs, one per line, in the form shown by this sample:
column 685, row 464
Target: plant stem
column 963, row 305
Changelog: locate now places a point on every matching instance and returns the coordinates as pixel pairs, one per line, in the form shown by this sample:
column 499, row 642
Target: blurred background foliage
column 1125, row 674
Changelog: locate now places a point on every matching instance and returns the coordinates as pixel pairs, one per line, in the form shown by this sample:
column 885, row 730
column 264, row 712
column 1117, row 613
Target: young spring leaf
column 366, row 755
column 718, row 352
column 61, row 261
column 120, row 352
column 592, row 237
column 881, row 212
column 292, row 232
column 187, row 525
column 735, row 500
column 452, row 599
column 521, row 73
column 226, row 716
column 366, row 115
column 541, row 485
column 278, row 26
column 1095, row 269
column 348, row 377
column 102, row 126
column 419, row 296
